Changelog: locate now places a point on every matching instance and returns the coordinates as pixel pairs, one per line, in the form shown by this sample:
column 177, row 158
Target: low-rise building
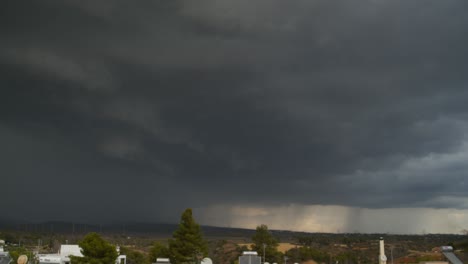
column 4, row 256
column 63, row 257
column 250, row 257
column 162, row 261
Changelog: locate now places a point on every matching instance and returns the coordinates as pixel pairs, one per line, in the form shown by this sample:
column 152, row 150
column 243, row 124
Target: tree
column 263, row 238
column 158, row 250
column 187, row 243
column 15, row 252
column 305, row 241
column 95, row 251
column 134, row 257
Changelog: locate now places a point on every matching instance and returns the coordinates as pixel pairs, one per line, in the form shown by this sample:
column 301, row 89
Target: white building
column 4, row 256
column 162, row 261
column 63, row 257
column 250, row 257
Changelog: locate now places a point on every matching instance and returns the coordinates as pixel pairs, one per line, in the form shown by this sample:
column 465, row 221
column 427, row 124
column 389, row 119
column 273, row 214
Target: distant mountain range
column 153, row 229
column 160, row 229
column 165, row 230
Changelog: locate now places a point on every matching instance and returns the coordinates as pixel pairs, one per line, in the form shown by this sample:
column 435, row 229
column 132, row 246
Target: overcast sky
column 304, row 114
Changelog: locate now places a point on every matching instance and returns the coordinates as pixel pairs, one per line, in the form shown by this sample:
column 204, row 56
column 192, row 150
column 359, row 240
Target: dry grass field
column 282, row 247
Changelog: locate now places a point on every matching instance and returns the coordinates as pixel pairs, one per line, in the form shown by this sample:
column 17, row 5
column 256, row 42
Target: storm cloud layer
column 118, row 110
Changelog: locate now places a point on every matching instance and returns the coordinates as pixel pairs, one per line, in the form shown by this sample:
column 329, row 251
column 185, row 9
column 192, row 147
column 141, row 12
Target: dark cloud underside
column 162, row 105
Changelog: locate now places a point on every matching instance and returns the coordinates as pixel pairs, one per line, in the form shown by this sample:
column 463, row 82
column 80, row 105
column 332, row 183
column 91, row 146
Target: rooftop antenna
column 382, row 257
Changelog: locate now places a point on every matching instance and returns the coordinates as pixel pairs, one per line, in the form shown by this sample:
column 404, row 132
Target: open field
column 282, row 247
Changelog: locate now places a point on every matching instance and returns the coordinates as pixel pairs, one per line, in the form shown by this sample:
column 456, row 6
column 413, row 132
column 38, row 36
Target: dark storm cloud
column 158, row 106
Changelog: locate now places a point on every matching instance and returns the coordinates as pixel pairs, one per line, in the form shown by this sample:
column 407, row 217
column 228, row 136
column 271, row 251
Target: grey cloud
column 88, row 74
column 308, row 102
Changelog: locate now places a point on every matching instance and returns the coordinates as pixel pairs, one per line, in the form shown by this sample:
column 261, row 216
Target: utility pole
column 391, row 253
column 264, row 247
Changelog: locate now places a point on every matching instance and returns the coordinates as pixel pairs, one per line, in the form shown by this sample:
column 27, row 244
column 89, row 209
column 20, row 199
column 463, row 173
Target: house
column 63, row 257
column 250, row 257
column 4, row 256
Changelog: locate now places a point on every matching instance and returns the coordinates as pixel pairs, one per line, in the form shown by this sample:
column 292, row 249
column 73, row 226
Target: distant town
column 188, row 242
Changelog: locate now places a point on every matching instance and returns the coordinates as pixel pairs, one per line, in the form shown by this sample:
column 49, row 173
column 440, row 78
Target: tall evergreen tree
column 264, row 240
column 187, row 243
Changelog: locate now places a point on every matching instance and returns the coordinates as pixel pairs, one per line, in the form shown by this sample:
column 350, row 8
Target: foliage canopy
column 263, row 237
column 187, row 243
column 95, row 251
column 134, row 257
column 158, row 250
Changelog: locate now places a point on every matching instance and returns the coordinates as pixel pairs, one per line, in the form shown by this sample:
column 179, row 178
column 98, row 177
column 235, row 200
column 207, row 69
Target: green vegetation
column 307, row 253
column 15, row 252
column 95, row 251
column 187, row 243
column 225, row 252
column 158, row 250
column 134, row 257
column 263, row 238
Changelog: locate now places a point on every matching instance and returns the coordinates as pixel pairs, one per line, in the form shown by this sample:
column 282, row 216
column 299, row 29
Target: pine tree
column 187, row 243
column 263, row 237
column 95, row 251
